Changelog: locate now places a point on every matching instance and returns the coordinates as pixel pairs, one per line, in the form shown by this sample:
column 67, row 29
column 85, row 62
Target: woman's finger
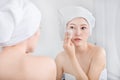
column 65, row 38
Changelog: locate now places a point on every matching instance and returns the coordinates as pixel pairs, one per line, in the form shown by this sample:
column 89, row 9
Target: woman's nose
column 78, row 32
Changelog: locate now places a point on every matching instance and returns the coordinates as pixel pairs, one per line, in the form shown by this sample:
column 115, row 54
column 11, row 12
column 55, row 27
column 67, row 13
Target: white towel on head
column 19, row 19
column 68, row 13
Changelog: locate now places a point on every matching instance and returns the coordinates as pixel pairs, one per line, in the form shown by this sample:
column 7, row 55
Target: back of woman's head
column 19, row 20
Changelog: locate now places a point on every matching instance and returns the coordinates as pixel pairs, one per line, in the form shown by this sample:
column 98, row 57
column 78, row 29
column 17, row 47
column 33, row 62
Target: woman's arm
column 98, row 63
column 77, row 69
column 70, row 51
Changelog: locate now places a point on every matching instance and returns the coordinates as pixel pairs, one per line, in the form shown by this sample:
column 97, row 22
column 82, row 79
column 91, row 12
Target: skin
column 82, row 59
column 17, row 63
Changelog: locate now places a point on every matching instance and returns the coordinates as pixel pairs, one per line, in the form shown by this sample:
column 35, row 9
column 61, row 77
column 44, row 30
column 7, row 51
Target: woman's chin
column 77, row 44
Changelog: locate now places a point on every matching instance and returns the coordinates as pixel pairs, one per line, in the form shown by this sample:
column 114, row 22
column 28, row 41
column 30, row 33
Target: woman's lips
column 77, row 39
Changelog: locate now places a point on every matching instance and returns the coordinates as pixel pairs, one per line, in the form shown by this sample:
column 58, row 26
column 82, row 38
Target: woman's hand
column 68, row 45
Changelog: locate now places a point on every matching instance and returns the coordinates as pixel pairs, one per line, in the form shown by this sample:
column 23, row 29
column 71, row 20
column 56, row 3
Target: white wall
column 50, row 44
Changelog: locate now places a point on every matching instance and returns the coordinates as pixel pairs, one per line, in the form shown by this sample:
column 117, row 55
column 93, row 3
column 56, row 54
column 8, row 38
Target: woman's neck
column 82, row 48
column 19, row 48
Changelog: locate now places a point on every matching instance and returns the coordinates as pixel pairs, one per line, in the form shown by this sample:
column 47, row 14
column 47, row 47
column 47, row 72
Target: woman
column 19, row 33
column 80, row 58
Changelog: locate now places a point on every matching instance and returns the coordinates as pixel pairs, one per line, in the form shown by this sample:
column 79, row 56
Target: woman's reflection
column 80, row 58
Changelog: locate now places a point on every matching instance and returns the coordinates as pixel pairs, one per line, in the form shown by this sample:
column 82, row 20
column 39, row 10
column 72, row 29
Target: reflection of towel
column 19, row 19
column 69, row 77
column 68, row 13
column 103, row 76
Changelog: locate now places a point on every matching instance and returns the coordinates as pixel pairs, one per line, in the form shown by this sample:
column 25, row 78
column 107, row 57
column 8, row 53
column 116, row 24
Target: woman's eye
column 83, row 28
column 71, row 27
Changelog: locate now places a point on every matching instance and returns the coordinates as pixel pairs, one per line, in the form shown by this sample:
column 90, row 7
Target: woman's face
column 32, row 41
column 80, row 30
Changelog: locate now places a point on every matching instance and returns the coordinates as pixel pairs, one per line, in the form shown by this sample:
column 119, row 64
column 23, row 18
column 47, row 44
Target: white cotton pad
column 70, row 33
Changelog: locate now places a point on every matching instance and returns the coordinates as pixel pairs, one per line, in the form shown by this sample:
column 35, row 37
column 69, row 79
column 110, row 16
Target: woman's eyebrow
column 83, row 24
column 71, row 24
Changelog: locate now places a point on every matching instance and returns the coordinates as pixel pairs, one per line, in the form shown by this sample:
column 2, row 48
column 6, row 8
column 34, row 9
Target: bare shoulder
column 49, row 62
column 41, row 60
column 49, row 66
column 98, row 62
column 60, row 57
column 100, row 51
column 99, row 55
column 43, row 67
column 97, row 50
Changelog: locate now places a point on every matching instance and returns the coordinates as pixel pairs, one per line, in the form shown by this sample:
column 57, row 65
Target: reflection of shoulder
column 99, row 54
column 60, row 58
column 100, row 50
column 97, row 49
column 61, row 54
